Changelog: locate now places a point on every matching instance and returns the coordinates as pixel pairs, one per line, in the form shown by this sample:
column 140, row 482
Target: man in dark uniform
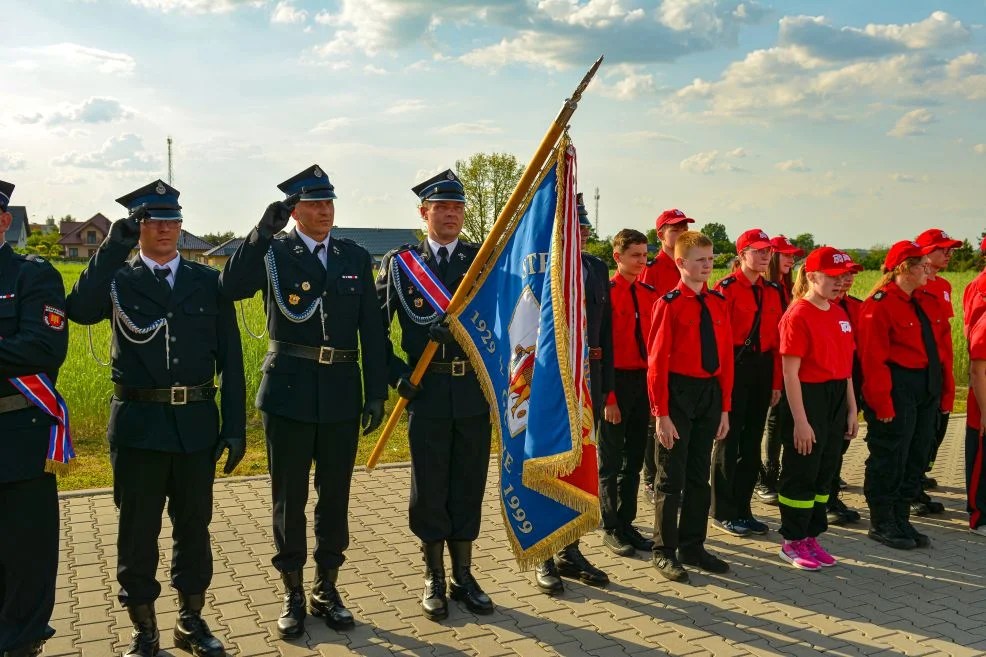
column 448, row 416
column 173, row 334
column 33, row 341
column 570, row 562
column 322, row 316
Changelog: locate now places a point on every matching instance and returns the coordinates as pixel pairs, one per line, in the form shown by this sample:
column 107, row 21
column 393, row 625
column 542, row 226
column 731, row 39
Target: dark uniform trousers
column 292, row 446
column 899, row 449
column 737, row 457
column 682, row 483
column 806, row 480
column 780, row 423
column 975, row 477
column 621, row 450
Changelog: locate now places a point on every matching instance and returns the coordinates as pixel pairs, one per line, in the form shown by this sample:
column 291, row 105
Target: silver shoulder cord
column 120, row 317
column 274, row 290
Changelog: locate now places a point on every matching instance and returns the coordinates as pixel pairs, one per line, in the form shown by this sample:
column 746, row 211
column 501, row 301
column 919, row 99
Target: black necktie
column 707, row 332
column 637, row 331
column 318, row 249
column 756, row 325
column 442, row 261
column 931, row 349
column 162, row 277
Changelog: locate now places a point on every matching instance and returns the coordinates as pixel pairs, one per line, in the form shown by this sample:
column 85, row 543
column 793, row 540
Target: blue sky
column 861, row 122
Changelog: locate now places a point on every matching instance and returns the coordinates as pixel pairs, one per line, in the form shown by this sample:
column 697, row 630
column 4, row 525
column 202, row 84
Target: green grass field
column 87, row 388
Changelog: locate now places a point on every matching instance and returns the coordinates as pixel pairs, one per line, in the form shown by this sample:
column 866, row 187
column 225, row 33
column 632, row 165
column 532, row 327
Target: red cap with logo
column 830, row 261
column 938, row 239
column 782, row 244
column 673, row 216
column 753, row 239
column 903, row 250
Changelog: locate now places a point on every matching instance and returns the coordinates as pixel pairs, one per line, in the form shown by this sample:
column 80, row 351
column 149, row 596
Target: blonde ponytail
column 800, row 288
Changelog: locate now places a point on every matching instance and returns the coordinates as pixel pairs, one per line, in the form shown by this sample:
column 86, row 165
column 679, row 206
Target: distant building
column 378, row 241
column 192, row 247
column 19, row 228
column 80, row 239
column 218, row 256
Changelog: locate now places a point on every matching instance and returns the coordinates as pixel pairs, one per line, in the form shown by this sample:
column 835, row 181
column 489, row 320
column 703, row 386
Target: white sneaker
column 981, row 530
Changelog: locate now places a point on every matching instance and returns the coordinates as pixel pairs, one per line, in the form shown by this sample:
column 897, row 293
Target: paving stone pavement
column 876, row 601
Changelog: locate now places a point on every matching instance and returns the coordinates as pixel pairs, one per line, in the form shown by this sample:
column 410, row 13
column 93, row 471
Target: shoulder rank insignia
column 879, row 295
column 298, row 249
column 293, row 299
column 672, row 295
column 646, row 286
column 612, row 283
column 772, row 283
column 718, row 294
column 729, row 280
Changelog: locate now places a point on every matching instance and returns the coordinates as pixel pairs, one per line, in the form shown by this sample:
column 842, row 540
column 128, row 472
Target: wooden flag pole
column 530, row 174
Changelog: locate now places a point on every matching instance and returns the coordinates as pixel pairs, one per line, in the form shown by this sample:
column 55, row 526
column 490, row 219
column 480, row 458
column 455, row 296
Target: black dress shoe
column 434, row 604
column 192, row 634
column 547, row 578
column 637, row 540
column 325, row 601
column 700, row 558
column 291, row 624
column 670, row 568
column 145, row 640
column 572, row 563
column 618, row 543
column 464, row 586
column 931, row 505
column 901, row 510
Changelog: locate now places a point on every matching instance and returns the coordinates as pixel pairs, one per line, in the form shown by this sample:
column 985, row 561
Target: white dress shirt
column 171, row 264
column 323, row 254
column 450, row 246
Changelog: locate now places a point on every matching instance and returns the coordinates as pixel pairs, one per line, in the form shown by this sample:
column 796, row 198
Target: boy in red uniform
column 755, row 306
column 625, row 417
column 974, row 297
column 975, row 455
column 661, row 273
column 817, row 348
column 690, row 396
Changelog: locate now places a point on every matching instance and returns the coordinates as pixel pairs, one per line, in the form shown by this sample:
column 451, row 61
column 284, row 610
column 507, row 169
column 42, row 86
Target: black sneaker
column 837, row 513
column 754, row 526
column 765, row 494
column 670, row 568
column 637, row 540
column 704, row 560
column 617, row 543
column 931, row 505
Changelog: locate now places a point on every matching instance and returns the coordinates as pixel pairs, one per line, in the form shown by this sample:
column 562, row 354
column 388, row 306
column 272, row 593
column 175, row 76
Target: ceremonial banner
column 523, row 326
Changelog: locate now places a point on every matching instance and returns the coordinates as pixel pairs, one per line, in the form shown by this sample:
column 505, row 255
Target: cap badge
column 450, row 175
column 317, row 172
column 160, row 189
column 306, row 286
column 293, row 299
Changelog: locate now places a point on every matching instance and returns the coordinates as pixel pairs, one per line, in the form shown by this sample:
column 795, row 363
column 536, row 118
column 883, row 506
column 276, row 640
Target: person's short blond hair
column 689, row 240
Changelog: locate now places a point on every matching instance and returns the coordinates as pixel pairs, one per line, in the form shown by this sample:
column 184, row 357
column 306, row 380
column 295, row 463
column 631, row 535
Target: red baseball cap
column 903, row 250
column 673, row 216
column 753, row 239
column 982, row 247
column 782, row 244
column 830, row 261
column 937, row 238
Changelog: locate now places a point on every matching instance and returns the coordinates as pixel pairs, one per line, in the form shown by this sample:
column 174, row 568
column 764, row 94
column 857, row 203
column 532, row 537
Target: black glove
column 237, row 450
column 277, row 214
column 406, row 389
column 126, row 232
column 372, row 415
column 440, row 332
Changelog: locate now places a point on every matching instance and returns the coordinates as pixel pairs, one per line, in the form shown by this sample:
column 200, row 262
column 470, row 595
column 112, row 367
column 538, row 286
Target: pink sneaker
column 796, row 553
column 823, row 558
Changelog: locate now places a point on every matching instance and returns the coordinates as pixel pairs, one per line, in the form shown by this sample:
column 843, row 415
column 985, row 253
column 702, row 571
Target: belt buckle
column 324, row 359
column 179, row 396
column 459, row 367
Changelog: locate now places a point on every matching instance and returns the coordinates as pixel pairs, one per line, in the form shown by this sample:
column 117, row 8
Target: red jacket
column 742, row 307
column 626, row 353
column 661, row 273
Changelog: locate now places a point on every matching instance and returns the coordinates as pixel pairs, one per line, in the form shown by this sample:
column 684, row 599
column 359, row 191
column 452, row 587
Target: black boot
column 547, row 578
column 291, row 624
column 884, row 529
column 902, row 512
column 325, row 601
column 572, row 563
column 191, row 632
column 464, row 586
column 30, row 650
column 434, row 604
column 146, row 640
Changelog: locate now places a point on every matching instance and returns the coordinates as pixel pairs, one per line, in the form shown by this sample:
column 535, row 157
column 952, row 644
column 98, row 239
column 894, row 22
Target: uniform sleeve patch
column 54, row 318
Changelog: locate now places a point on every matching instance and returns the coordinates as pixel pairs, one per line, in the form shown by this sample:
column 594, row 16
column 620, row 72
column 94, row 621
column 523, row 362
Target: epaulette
column 879, row 295
column 772, row 284
column 728, row 280
column 612, row 283
column 36, row 259
column 651, row 261
column 718, row 294
column 281, row 236
column 672, row 295
column 646, row 285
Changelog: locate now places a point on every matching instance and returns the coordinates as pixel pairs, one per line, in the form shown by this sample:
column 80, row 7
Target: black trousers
column 292, row 447
column 806, row 479
column 650, row 453
column 449, row 462
column 143, row 480
column 975, row 476
column 736, row 459
column 621, row 451
column 779, row 424
column 941, row 428
column 695, row 407
column 28, row 560
column 899, row 449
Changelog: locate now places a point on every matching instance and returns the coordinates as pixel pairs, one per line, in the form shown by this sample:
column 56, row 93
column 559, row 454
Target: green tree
column 488, row 179
column 652, row 238
column 965, row 258
column 805, row 241
column 216, row 239
column 44, row 244
column 874, row 257
column 602, row 249
column 721, row 244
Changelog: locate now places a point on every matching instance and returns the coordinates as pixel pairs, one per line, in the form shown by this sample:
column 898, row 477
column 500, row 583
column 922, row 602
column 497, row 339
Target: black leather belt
column 13, row 403
column 455, row 368
column 321, row 355
column 595, row 353
column 177, row 396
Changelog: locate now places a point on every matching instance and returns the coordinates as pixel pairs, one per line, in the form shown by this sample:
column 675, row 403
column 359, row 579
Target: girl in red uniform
column 817, row 348
column 779, row 417
column 975, row 455
column 902, row 384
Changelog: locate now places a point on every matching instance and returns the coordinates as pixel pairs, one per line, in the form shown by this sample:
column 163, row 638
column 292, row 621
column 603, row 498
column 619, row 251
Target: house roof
column 19, row 226
column 72, row 230
column 227, row 248
column 189, row 242
column 378, row 241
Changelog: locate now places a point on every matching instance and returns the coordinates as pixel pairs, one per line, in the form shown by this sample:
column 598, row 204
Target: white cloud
column 12, row 161
column 122, row 153
column 906, row 178
column 72, row 55
column 406, row 105
column 286, row 13
column 624, row 82
column 737, row 152
column 792, row 166
column 979, row 149
column 92, row 110
column 650, row 135
column 197, row 6
column 374, row 70
column 481, row 127
column 329, row 125
column 912, row 124
column 710, row 162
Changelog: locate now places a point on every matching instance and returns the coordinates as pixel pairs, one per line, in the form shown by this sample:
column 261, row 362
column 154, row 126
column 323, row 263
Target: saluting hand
column 372, row 416
column 237, row 450
column 666, row 432
column 277, row 214
column 126, row 232
column 804, row 438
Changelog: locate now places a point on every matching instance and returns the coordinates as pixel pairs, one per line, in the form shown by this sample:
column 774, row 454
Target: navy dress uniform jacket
column 30, row 345
column 599, row 330
column 204, row 340
column 442, row 395
column 302, row 389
